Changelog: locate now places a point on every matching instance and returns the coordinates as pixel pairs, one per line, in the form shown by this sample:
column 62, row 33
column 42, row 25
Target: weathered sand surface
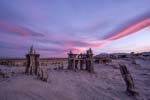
column 105, row 84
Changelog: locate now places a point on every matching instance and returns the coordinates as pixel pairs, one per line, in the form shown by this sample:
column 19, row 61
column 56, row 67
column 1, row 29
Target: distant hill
column 146, row 53
column 106, row 55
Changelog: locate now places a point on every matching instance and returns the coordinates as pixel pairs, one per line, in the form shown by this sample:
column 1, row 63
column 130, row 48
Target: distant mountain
column 102, row 55
column 107, row 55
column 146, row 53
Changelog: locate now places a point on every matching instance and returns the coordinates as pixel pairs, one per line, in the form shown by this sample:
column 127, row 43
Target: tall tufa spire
column 31, row 49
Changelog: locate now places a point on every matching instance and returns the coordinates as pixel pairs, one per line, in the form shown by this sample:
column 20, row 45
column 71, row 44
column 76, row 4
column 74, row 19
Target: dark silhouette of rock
column 5, row 73
column 87, row 59
column 128, row 80
column 33, row 65
column 43, row 75
column 33, row 62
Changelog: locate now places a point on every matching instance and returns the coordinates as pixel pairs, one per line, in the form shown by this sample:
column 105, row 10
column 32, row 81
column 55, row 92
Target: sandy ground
column 105, row 84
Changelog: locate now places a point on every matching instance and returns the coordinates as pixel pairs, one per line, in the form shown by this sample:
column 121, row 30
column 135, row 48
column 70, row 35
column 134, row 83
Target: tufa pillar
column 33, row 62
column 89, row 61
column 128, row 80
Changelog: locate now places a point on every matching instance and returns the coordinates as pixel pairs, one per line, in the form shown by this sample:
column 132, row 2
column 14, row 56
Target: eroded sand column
column 128, row 80
column 33, row 62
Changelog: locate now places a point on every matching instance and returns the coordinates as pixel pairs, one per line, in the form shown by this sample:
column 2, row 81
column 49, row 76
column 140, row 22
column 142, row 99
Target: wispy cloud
column 56, row 26
column 19, row 30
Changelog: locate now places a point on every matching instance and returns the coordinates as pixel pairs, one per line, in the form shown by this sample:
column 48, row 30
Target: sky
column 54, row 27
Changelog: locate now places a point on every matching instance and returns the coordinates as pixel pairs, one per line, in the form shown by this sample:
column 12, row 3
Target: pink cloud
column 128, row 31
column 13, row 28
column 17, row 29
column 132, row 29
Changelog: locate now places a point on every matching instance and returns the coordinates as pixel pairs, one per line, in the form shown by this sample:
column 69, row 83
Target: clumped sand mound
column 105, row 84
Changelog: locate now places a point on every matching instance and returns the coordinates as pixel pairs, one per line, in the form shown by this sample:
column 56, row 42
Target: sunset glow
column 55, row 27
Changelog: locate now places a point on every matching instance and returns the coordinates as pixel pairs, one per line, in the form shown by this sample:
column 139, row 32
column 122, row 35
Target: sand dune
column 105, row 84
